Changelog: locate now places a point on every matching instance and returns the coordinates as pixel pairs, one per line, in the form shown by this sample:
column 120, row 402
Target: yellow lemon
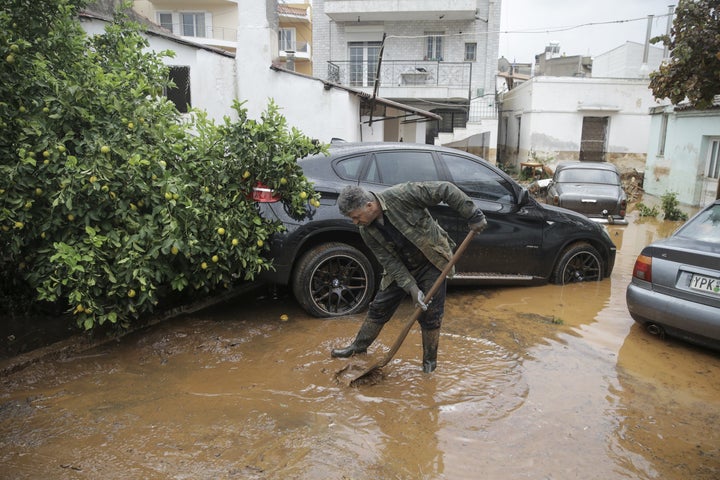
column 260, row 243
column 131, row 293
column 105, row 149
column 71, row 217
column 235, row 242
column 221, row 231
column 284, row 318
column 303, row 195
column 246, row 174
column 215, row 259
column 203, row 265
column 174, row 250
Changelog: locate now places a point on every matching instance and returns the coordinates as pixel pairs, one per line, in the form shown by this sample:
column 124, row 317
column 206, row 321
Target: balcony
column 406, row 78
column 301, row 50
column 293, row 14
column 400, row 10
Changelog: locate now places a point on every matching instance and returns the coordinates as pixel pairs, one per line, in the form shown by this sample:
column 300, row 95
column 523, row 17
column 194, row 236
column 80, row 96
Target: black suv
column 332, row 273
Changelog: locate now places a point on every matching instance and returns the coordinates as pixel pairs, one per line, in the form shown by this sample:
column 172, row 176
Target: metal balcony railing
column 402, row 73
column 207, row 33
column 298, row 47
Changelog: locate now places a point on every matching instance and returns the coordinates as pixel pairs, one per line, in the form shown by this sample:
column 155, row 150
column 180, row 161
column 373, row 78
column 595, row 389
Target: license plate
column 705, row 284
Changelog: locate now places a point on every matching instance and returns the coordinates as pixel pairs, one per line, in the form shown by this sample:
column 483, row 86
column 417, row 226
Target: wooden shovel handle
column 441, row 278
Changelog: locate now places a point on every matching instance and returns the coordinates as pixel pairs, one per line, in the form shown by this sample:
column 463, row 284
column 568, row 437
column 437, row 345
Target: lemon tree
column 111, row 202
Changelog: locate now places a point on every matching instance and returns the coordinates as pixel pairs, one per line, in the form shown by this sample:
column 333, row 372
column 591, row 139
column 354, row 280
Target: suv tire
column 333, row 279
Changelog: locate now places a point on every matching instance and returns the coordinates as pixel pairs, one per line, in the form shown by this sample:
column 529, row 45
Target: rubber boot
column 430, row 340
column 366, row 335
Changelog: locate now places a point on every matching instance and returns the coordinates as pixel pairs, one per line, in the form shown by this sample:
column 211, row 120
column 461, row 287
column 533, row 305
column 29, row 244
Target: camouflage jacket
column 406, row 206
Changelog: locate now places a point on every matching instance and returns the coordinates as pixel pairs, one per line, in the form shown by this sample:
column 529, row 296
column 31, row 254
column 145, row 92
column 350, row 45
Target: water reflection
column 548, row 382
column 655, row 433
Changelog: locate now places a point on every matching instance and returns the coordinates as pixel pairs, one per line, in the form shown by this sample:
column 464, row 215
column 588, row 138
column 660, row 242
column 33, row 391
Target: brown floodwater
column 551, row 382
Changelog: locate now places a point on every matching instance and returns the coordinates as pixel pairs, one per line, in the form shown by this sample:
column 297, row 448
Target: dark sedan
column 675, row 287
column 590, row 188
column 331, row 272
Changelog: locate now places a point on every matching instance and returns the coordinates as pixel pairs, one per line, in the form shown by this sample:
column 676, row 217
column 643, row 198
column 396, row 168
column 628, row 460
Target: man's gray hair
column 353, row 197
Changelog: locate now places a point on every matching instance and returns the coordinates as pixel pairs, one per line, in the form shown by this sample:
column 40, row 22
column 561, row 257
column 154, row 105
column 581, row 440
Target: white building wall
column 682, row 166
column 549, row 112
column 625, row 61
column 306, row 105
column 212, row 74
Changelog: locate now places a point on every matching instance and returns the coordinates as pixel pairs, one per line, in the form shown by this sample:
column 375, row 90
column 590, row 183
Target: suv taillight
column 623, row 208
column 263, row 194
column 643, row 268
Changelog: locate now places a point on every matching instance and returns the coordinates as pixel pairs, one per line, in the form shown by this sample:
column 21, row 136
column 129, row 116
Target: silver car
column 590, row 188
column 675, row 287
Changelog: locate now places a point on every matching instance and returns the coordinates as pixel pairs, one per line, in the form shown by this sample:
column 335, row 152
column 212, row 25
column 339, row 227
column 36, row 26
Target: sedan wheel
column 333, row 279
column 578, row 263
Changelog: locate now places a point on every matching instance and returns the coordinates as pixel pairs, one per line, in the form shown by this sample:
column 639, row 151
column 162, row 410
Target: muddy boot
column 430, row 340
column 366, row 335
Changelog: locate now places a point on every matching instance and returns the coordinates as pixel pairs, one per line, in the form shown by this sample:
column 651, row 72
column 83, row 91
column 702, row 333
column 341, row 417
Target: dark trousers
column 387, row 301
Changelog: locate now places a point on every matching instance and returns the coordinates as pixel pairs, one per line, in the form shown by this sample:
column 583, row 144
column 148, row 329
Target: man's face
column 364, row 215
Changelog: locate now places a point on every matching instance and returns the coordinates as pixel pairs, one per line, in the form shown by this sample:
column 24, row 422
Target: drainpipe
column 646, row 50
column 666, row 51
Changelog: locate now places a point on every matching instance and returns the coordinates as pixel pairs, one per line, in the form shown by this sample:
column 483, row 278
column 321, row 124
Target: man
column 412, row 248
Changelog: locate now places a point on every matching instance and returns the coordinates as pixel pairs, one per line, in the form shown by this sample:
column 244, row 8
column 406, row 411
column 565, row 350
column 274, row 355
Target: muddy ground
column 544, row 382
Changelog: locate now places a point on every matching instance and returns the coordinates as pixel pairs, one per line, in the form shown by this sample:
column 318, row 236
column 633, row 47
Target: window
column 363, row 57
column 477, row 180
column 470, row 52
column 434, row 46
column 180, row 93
column 713, row 170
column 390, row 168
column 286, row 39
column 193, row 24
column 165, row 19
column 705, row 227
column 349, row 168
column 663, row 135
column 451, row 119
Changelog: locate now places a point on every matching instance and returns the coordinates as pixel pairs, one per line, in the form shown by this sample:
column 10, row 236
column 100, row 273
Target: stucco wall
column 212, row 75
column 549, row 112
column 306, row 105
column 682, row 166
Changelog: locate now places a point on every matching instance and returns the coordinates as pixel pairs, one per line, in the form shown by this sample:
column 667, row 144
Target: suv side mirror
column 523, row 197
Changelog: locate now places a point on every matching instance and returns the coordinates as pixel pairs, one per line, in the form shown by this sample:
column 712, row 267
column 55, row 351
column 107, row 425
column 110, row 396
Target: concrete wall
column 625, row 61
column 303, row 101
column 544, row 118
column 331, row 39
column 682, row 167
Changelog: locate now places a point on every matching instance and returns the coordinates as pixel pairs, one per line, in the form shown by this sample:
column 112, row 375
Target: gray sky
column 581, row 26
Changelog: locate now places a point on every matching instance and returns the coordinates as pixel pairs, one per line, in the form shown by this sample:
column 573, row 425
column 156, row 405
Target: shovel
column 373, row 370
